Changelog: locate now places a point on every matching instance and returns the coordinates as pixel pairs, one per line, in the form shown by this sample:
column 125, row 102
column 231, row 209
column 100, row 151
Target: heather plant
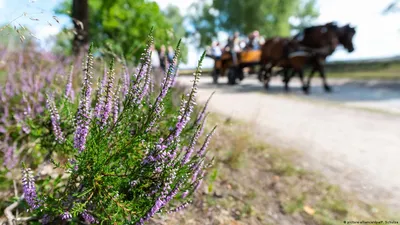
column 128, row 151
column 27, row 77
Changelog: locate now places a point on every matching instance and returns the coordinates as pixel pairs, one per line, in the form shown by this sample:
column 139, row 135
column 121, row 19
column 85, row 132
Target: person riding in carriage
column 253, row 41
column 233, row 47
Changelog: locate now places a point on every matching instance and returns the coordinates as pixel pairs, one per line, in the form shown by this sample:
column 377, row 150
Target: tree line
column 122, row 25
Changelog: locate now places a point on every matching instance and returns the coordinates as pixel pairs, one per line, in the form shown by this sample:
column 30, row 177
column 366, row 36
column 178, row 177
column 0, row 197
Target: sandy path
column 354, row 148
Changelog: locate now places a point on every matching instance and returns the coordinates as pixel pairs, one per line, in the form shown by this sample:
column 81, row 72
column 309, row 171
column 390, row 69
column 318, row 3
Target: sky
column 377, row 35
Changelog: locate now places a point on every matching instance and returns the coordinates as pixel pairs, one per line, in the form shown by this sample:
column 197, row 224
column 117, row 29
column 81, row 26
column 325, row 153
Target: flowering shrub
column 130, row 153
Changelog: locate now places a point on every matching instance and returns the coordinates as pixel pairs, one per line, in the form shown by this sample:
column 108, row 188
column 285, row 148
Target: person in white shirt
column 216, row 51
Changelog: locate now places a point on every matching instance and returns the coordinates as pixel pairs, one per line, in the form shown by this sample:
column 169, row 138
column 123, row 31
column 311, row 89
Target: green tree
column 270, row 17
column 305, row 15
column 204, row 23
column 123, row 25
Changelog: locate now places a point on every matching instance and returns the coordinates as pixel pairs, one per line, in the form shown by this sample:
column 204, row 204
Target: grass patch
column 389, row 72
column 254, row 183
column 356, row 71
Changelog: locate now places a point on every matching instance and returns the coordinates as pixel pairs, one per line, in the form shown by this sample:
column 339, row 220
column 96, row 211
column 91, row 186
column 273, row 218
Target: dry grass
column 253, row 183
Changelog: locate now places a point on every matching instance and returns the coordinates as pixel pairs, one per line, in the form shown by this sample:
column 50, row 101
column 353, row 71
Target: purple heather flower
column 158, row 170
column 160, row 203
column 158, row 154
column 193, row 143
column 174, row 192
column 25, row 128
column 19, row 118
column 196, row 168
column 157, row 206
column 167, row 185
column 10, row 160
column 154, row 191
column 66, row 216
column 88, row 217
column 146, row 59
column 165, row 86
column 186, row 109
column 141, row 71
column 99, row 95
column 20, row 59
column 28, row 109
column 133, row 183
column 179, row 208
column 55, row 120
column 185, row 194
column 175, row 75
column 145, row 87
column 125, row 86
column 46, row 219
column 132, row 90
column 198, row 184
column 108, row 104
column 202, row 114
column 29, row 189
column 151, row 86
column 9, row 89
column 206, row 142
column 50, row 74
column 116, row 102
column 73, row 163
column 83, row 115
column 3, row 130
column 69, row 92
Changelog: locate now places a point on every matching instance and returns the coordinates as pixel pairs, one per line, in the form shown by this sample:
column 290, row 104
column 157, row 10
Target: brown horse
column 316, row 43
column 275, row 50
column 275, row 53
column 344, row 36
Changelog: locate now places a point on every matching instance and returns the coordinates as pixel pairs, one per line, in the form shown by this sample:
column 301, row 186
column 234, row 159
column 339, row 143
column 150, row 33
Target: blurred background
column 200, row 22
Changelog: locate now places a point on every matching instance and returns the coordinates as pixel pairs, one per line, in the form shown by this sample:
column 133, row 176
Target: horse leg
column 267, row 76
column 261, row 72
column 286, row 78
column 323, row 77
column 306, row 88
column 294, row 71
column 301, row 76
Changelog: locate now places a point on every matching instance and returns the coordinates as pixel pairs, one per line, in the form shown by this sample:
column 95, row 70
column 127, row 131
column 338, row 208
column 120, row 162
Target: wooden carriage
column 246, row 58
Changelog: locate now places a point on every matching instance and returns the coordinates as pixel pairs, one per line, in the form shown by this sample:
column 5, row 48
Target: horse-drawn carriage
column 234, row 68
column 311, row 47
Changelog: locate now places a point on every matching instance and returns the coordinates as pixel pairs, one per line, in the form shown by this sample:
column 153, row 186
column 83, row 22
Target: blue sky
column 377, row 35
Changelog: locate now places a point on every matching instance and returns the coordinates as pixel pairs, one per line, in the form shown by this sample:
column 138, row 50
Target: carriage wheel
column 232, row 76
column 240, row 73
column 261, row 75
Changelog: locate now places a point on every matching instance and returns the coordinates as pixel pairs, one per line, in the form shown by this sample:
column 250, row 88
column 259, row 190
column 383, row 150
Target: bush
column 121, row 154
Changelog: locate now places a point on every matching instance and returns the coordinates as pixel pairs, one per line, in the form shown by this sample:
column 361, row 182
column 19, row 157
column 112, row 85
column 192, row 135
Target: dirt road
column 355, row 148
